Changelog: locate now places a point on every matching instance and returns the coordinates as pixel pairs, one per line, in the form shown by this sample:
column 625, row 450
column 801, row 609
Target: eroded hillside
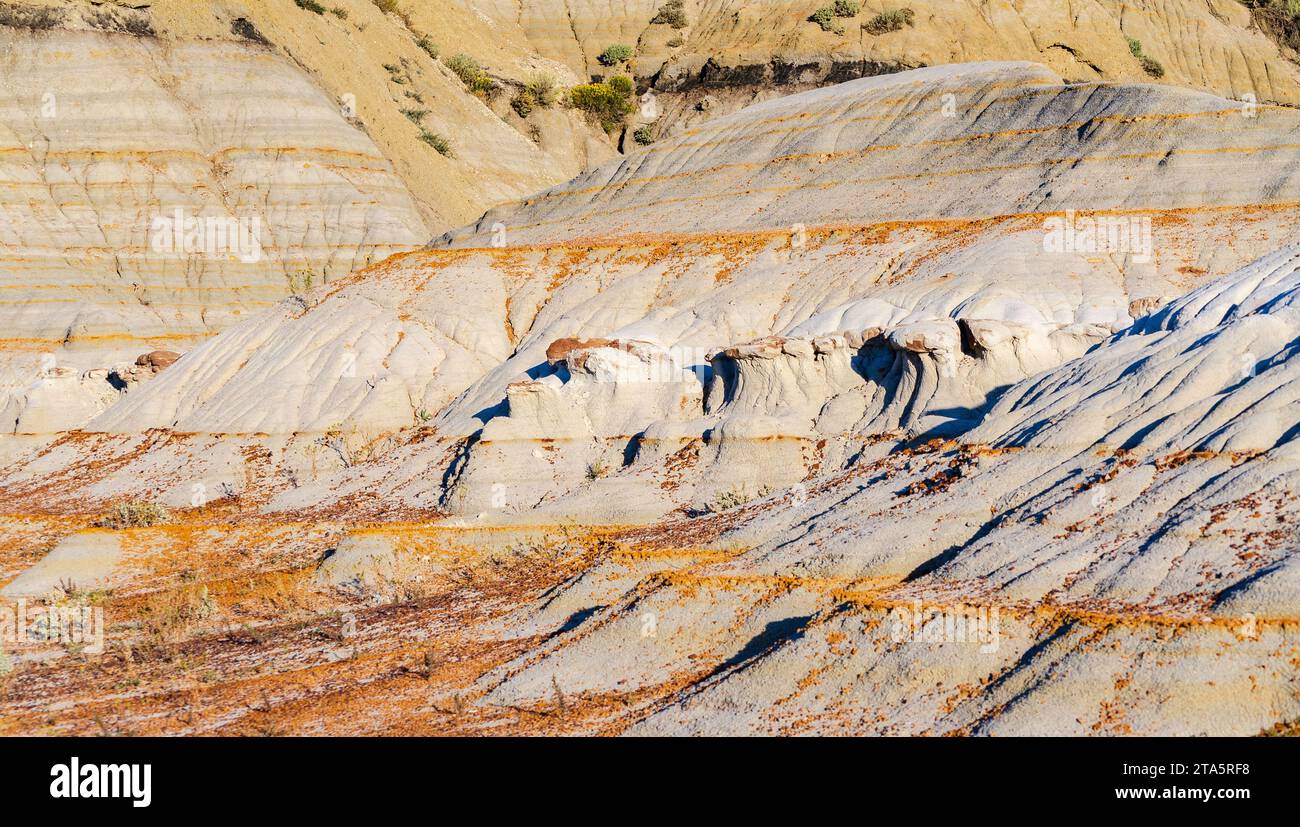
column 952, row 401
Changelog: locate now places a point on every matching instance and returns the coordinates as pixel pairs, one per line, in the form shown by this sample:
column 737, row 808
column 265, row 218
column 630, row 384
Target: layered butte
column 155, row 194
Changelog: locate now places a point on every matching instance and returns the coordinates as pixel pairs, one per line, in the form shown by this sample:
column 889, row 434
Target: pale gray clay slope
column 829, row 353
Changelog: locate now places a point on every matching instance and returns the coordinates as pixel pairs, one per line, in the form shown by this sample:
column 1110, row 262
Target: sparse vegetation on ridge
column 1280, row 19
column 427, row 46
column 539, row 91
column 826, row 16
column 471, row 74
column 310, row 5
column 1149, row 64
column 393, row 7
column 671, row 13
column 438, row 142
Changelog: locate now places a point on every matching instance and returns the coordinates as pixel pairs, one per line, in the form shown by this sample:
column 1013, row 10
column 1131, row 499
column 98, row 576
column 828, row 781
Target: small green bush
column 1149, row 64
column 464, row 67
column 339, row 12
column 825, row 17
column 310, row 5
column 524, row 103
column 427, row 46
column 671, row 13
column 622, row 84
column 615, row 54
column 484, row 87
column 415, row 115
column 1152, row 66
column 438, row 142
column 644, row 135
column 543, row 89
column 890, row 21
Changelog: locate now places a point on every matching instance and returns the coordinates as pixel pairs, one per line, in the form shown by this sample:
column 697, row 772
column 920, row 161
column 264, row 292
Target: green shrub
column 310, row 5
column 427, row 46
column 644, row 135
column 339, row 12
column 484, row 87
column 1152, row 66
column 436, row 141
column 672, row 14
column 615, row 54
column 464, row 67
column 543, row 89
column 825, row 17
column 133, row 514
column 602, row 101
column 415, row 115
column 1149, row 64
column 622, row 84
column 524, row 103
column 890, row 21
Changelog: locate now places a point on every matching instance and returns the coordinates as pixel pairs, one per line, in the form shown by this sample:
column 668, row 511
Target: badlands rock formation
column 234, row 109
column 956, row 400
column 168, row 170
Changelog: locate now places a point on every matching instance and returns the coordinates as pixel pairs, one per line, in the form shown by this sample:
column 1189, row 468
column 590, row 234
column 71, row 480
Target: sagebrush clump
column 427, row 46
column 889, row 21
column 614, row 55
column 672, row 14
column 1149, row 64
column 439, row 143
column 392, row 7
column 826, row 16
column 539, row 91
column 471, row 74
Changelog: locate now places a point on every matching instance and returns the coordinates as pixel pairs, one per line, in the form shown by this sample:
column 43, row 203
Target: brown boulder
column 157, row 359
